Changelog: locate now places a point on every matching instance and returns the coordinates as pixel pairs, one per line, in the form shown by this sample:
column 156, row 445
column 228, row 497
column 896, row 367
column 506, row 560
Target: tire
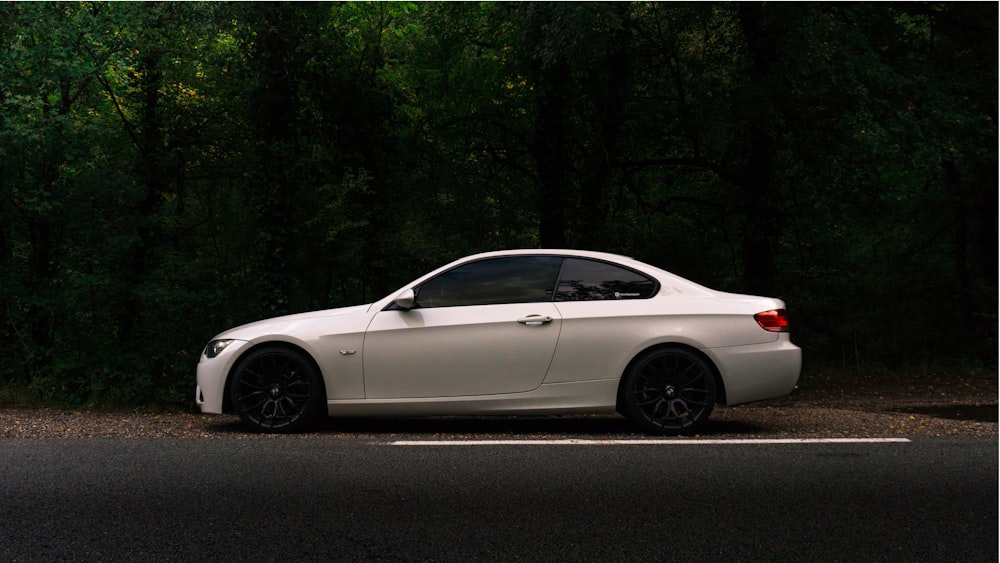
column 669, row 391
column 277, row 390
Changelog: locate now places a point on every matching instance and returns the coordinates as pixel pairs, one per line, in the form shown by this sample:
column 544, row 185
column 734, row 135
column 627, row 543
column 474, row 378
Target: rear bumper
column 759, row 371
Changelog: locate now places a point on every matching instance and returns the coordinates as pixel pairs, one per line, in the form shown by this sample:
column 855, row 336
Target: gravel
column 834, row 406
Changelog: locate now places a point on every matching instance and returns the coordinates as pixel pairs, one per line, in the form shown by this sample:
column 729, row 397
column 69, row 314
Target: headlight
column 216, row 347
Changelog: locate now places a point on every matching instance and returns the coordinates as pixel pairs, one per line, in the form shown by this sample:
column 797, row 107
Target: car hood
column 288, row 323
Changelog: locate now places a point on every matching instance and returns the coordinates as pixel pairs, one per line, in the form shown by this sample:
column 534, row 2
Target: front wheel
column 277, row 389
column 669, row 391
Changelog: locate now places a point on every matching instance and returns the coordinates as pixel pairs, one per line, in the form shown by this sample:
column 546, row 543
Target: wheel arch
column 720, row 386
column 227, row 401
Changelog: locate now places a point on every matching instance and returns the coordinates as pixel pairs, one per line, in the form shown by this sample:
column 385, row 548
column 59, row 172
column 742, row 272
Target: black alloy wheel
column 277, row 389
column 669, row 391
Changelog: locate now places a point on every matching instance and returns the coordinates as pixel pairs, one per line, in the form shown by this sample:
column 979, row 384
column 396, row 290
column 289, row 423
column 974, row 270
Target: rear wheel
column 277, row 389
column 669, row 391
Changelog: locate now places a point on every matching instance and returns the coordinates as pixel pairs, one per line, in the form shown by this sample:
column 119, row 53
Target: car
column 517, row 332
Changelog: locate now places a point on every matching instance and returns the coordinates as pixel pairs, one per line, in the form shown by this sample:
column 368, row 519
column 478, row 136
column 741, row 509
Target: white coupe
column 506, row 333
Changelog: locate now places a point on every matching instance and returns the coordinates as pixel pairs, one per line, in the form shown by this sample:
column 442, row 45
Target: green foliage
column 169, row 170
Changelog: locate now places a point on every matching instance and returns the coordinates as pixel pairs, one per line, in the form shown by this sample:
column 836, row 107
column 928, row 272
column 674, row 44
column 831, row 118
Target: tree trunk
column 549, row 152
column 756, row 170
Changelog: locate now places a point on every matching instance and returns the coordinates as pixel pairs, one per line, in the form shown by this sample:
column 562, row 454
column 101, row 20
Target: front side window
column 590, row 280
column 511, row 279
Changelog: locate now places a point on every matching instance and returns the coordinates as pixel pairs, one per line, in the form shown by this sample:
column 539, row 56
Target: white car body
column 376, row 360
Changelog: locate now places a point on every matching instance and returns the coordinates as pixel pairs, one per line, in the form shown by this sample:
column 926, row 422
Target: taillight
column 773, row 321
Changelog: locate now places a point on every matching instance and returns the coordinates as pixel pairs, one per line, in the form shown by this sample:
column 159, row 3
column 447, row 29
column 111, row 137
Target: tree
column 167, row 170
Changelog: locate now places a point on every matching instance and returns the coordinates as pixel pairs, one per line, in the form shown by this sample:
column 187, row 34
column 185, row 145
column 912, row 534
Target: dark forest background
column 172, row 169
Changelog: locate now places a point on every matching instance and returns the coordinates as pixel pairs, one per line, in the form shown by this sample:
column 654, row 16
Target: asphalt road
column 324, row 498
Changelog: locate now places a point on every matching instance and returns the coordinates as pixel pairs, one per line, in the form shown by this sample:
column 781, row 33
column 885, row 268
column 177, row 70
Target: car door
column 484, row 328
column 605, row 312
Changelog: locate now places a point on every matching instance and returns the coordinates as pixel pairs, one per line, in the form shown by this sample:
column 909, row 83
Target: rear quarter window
column 591, row 280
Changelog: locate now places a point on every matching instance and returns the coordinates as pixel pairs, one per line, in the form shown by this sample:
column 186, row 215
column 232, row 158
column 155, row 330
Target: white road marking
column 665, row 442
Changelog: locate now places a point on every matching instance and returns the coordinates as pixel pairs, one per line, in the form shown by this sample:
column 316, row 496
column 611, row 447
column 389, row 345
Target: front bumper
column 210, row 390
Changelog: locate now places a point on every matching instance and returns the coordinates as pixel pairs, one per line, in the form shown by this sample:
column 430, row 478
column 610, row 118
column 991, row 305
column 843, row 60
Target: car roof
column 665, row 277
column 555, row 252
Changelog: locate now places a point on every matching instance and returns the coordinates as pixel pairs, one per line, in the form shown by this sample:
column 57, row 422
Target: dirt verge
column 832, row 406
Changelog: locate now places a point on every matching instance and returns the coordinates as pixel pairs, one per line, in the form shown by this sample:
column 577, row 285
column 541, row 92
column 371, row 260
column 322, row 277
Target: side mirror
column 405, row 300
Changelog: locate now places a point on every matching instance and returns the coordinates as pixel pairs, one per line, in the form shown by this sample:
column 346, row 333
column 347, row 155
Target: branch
column 121, row 113
column 629, row 165
column 663, row 206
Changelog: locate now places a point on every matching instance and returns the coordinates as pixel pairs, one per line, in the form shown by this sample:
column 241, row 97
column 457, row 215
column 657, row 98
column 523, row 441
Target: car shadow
column 494, row 427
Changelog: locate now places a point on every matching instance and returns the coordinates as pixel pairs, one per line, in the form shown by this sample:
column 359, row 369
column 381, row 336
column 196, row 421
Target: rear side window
column 590, row 280
column 512, row 279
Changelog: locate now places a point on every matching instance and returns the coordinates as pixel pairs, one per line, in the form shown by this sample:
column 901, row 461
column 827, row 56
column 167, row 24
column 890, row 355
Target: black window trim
column 551, row 293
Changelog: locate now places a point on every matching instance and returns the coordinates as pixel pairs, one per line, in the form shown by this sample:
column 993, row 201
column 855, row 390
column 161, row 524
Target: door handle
column 535, row 320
